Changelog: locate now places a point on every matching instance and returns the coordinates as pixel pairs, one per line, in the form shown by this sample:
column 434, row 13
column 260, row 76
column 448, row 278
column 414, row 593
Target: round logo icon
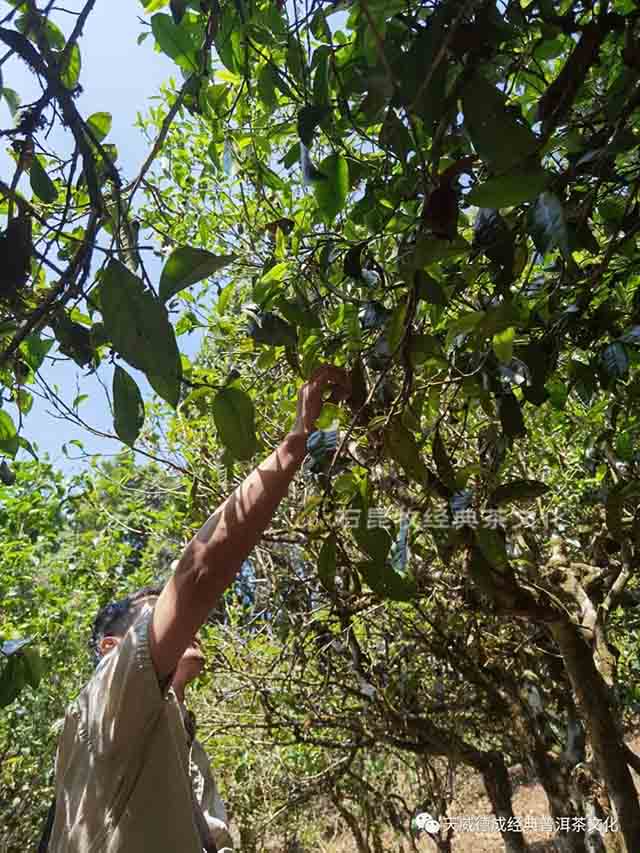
column 426, row 823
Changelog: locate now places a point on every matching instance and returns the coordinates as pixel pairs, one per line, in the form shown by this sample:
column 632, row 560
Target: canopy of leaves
column 441, row 197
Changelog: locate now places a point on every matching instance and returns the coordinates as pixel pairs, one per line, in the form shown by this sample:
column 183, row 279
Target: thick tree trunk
column 554, row 773
column 606, row 740
column 498, row 786
column 552, row 779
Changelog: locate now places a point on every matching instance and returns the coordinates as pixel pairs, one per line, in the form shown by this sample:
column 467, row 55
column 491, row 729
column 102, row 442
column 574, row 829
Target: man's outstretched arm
column 215, row 555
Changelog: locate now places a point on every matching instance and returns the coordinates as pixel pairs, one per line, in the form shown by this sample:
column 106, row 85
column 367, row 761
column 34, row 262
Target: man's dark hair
column 117, row 617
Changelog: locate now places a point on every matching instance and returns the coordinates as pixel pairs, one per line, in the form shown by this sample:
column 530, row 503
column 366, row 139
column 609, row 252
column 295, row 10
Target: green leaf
column 321, row 57
column 394, row 135
column 429, row 289
column 329, row 414
column 233, row 414
column 26, row 445
column 41, row 183
column 401, row 446
column 511, row 415
column 558, row 393
column 616, row 360
column 299, row 314
column 423, row 347
column 138, row 326
column 503, row 344
column 428, row 250
column 13, row 100
column 270, row 178
column 12, row 680
column 100, row 125
column 34, row 349
column 282, row 86
column 174, row 41
column 269, row 328
column 547, row 225
column 7, row 474
column 70, row 71
column 444, row 466
column 331, row 195
column 385, row 582
column 24, row 401
column 10, row 446
column 374, row 541
column 497, row 136
column 616, row 499
column 34, row 667
column 510, row 189
column 128, row 407
column 518, row 490
column 492, row 547
column 396, row 326
column 32, row 27
column 308, row 119
column 295, row 60
column 267, row 86
column 464, row 325
column 418, row 67
column 292, row 156
column 187, row 266
column 224, row 297
column 153, row 5
column 229, row 39
column 275, row 273
column 327, row 562
column 7, row 427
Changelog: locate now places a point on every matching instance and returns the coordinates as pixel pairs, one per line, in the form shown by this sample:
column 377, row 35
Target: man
column 130, row 777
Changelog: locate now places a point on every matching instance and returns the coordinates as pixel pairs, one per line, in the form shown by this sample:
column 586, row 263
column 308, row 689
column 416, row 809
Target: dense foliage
column 442, row 197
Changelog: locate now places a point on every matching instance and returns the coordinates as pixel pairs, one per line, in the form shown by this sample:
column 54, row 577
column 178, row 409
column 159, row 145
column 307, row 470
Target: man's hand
column 311, row 399
column 215, row 555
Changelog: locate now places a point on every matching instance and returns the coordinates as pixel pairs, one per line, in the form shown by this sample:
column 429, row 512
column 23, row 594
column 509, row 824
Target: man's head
column 113, row 621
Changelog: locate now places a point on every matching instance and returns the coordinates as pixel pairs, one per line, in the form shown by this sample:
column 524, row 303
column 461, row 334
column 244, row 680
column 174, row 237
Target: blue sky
column 118, row 76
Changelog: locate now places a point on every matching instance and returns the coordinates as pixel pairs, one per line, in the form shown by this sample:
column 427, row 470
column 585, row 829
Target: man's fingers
column 329, row 374
column 337, row 395
column 323, row 374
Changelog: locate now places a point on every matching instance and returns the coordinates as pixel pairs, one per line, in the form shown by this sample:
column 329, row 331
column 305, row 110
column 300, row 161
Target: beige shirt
column 125, row 768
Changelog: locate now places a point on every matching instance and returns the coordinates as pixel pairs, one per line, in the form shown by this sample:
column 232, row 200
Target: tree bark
column 498, row 786
column 608, row 746
column 553, row 780
column 554, row 774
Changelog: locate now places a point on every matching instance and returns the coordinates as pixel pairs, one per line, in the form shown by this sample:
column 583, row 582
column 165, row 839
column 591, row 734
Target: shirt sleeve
column 124, row 698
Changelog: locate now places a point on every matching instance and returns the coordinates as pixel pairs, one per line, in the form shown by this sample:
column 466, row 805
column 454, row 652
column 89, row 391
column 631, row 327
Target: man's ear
column 106, row 644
